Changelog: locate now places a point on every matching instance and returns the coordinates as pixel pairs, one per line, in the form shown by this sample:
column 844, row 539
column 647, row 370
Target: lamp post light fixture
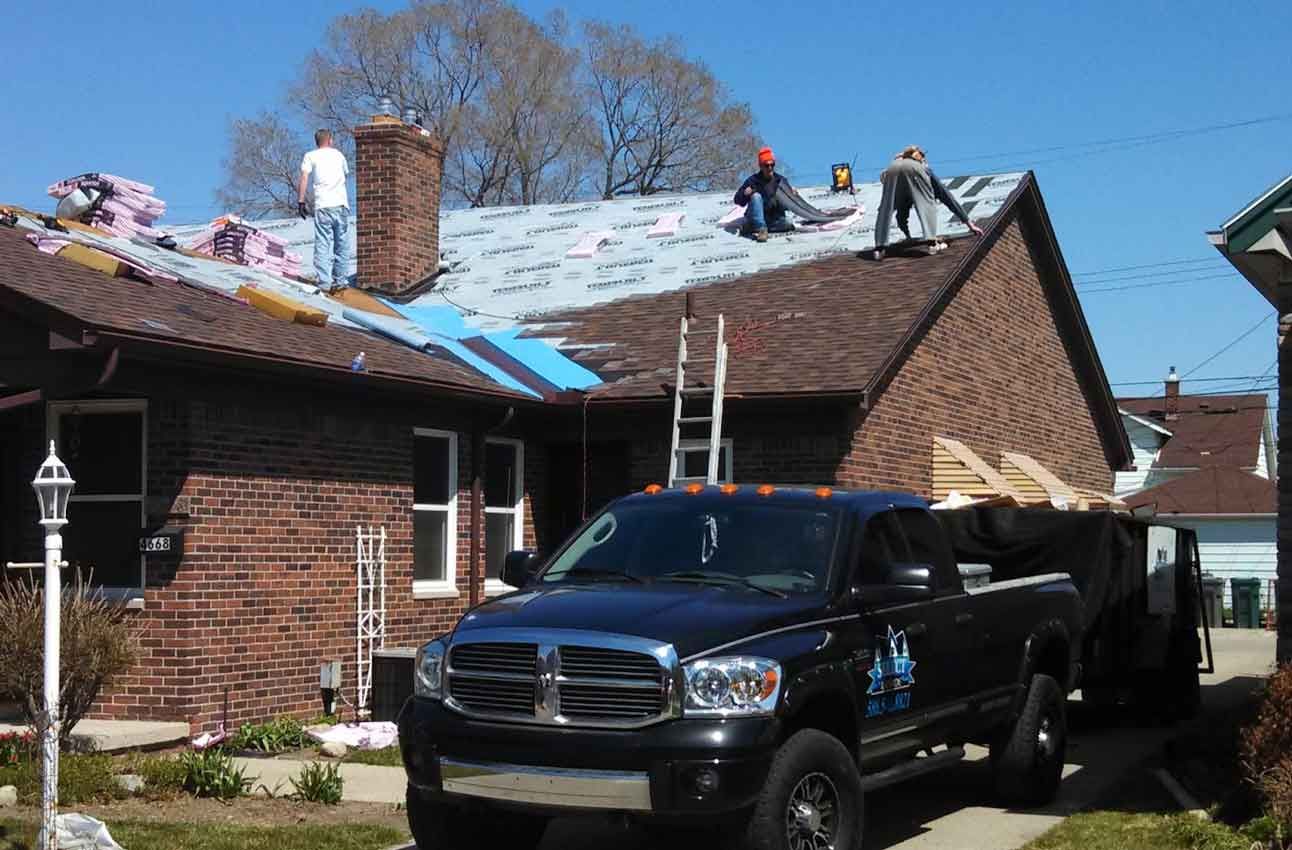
column 53, row 485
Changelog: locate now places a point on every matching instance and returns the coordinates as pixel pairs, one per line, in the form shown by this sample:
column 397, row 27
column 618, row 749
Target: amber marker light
column 824, row 492
column 765, row 490
column 692, row 489
column 728, row 489
column 652, row 489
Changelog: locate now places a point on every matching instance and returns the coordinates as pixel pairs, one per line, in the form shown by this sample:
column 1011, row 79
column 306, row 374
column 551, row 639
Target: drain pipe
column 476, row 583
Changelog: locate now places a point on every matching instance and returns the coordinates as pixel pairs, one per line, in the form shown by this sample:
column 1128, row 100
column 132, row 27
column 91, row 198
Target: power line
column 1151, row 285
column 1148, row 275
column 1239, row 339
column 1192, row 380
column 1146, row 266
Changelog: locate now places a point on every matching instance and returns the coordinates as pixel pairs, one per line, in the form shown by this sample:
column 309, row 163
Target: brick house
column 177, row 407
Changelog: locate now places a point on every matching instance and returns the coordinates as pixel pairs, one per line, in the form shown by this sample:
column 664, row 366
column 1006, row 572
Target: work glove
column 302, row 209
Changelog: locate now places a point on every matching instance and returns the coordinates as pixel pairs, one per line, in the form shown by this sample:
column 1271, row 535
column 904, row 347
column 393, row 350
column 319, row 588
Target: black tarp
column 1105, row 553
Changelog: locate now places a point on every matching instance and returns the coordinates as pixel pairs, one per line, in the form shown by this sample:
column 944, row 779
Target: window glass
column 500, row 475
column 431, row 484
column 881, row 546
column 103, row 451
column 928, row 544
column 430, row 534
column 500, row 530
column 102, row 541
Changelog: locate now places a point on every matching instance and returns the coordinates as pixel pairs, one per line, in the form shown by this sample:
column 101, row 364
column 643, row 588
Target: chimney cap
column 1172, row 377
column 385, row 105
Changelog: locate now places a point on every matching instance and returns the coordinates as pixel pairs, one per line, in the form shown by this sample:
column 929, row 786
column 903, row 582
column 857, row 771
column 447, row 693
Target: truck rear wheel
column 440, row 826
column 1028, row 760
column 811, row 798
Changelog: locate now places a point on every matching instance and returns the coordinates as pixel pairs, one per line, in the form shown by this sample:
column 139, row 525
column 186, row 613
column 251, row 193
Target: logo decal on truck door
column 891, row 675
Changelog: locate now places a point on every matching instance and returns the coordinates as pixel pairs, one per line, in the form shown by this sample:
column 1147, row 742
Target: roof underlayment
column 508, row 266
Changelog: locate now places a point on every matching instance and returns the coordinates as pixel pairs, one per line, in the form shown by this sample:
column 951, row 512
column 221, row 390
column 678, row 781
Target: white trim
column 702, row 445
column 1147, row 423
column 1256, row 203
column 494, row 587
column 446, row 587
column 56, row 409
column 1026, row 581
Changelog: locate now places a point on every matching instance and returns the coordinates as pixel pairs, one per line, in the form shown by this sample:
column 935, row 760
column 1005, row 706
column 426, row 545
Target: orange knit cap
column 765, row 155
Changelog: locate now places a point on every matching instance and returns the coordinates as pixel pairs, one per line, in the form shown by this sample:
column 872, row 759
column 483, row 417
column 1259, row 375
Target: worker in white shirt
column 329, row 169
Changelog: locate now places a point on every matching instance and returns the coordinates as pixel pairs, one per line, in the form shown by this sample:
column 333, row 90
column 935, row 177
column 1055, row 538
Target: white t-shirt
column 329, row 168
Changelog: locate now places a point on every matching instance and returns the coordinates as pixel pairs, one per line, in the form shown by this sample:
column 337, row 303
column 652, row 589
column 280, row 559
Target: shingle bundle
column 120, row 206
column 230, row 238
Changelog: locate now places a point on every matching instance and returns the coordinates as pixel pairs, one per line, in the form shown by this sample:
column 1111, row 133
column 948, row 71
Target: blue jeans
column 756, row 219
column 330, row 227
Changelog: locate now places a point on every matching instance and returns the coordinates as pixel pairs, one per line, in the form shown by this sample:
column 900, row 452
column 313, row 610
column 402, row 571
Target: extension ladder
column 690, row 392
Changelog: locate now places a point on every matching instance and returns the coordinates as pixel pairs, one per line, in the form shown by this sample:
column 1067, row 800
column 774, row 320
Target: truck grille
column 565, row 683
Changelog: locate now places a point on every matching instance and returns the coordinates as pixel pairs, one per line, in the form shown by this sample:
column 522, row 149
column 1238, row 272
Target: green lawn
column 141, row 835
column 388, row 757
column 1122, row 830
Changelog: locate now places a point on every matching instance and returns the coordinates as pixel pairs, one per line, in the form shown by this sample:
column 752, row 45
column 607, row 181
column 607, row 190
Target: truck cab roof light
column 652, row 489
column 728, row 489
column 765, row 490
column 693, row 489
column 824, row 492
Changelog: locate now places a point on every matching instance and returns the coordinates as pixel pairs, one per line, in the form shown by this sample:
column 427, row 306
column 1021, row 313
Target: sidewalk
column 364, row 783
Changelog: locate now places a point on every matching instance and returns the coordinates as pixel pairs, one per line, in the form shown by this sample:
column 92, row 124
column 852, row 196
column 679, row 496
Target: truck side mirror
column 519, row 567
column 903, row 583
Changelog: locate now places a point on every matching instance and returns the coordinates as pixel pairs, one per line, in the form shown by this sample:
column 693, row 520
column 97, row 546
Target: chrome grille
column 566, row 677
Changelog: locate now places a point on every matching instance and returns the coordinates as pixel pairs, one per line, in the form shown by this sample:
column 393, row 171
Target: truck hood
column 693, row 618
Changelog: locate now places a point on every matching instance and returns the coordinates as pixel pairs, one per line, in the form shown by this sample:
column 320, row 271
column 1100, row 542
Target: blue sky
column 146, row 89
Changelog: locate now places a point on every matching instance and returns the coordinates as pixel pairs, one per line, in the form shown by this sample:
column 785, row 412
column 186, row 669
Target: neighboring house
column 1258, row 242
column 1207, row 462
column 499, row 423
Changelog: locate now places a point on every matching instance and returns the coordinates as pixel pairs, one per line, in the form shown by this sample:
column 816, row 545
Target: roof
column 180, row 318
column 1214, row 490
column 1212, row 430
column 1257, row 239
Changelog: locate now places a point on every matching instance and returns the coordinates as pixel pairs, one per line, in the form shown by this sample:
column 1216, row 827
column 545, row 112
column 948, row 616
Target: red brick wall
column 397, row 193
column 270, row 486
column 993, row 373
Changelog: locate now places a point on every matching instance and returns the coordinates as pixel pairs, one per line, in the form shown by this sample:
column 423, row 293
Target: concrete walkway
column 112, row 735
column 365, row 783
column 950, row 810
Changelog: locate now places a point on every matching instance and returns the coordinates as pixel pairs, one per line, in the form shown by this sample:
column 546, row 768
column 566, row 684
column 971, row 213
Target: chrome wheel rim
column 812, row 814
column 1047, row 742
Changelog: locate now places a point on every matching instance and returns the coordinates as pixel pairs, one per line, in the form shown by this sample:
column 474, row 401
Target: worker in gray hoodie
column 908, row 181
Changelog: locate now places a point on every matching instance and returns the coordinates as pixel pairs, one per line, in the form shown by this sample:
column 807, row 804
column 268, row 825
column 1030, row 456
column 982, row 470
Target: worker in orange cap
column 757, row 195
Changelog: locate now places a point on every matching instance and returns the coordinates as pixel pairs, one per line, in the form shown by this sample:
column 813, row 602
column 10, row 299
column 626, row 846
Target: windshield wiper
column 698, row 577
column 596, row 572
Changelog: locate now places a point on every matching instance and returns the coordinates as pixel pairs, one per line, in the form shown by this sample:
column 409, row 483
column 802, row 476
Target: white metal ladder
column 690, row 388
column 371, row 620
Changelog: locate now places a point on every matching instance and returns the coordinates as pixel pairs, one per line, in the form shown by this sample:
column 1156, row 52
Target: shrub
column 276, row 736
column 82, row 778
column 162, row 775
column 97, row 644
column 319, row 783
column 1267, row 747
column 16, row 747
column 212, row 773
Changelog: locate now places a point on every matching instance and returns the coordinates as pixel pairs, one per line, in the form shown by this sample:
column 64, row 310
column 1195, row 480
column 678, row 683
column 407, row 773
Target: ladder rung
column 692, row 420
column 707, row 332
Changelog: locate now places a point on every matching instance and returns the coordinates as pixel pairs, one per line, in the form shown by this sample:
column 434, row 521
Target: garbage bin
column 975, row 575
column 1213, row 599
column 1247, row 602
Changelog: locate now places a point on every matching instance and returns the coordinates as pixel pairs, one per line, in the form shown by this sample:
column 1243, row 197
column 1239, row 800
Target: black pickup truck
column 753, row 657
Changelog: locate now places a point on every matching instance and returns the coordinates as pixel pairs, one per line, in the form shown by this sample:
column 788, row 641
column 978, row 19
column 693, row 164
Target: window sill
column 130, row 598
column 435, row 592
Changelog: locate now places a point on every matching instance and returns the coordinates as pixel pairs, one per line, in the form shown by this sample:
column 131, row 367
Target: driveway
column 953, row 809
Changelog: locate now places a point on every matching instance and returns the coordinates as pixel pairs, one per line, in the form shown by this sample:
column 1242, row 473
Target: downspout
column 476, row 583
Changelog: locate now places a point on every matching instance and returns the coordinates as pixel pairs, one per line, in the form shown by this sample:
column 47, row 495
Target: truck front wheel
column 1028, row 759
column 439, row 826
column 811, row 799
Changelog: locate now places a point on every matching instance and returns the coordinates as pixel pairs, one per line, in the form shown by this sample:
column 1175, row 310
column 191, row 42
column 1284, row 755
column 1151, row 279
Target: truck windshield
column 776, row 548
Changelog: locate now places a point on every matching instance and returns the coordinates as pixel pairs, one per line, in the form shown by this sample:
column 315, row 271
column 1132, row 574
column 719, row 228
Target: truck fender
column 830, row 685
column 1045, row 636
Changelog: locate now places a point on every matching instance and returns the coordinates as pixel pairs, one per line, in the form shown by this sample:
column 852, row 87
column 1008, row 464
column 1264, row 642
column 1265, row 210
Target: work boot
column 760, row 235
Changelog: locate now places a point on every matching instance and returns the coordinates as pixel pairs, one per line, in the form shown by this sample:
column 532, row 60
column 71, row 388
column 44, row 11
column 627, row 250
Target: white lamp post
column 53, row 485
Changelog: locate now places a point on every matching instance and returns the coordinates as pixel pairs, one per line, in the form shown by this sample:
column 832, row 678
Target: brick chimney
column 397, row 195
column 1172, row 396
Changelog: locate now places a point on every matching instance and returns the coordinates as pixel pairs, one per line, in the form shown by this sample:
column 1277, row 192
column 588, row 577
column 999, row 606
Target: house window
column 504, row 506
column 435, row 513
column 693, row 462
column 104, row 444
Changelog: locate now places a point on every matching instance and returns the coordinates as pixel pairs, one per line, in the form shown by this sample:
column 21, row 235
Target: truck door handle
column 964, row 619
column 915, row 630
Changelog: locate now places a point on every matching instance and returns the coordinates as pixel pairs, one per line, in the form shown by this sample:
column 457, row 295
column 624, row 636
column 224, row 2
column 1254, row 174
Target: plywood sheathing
column 956, row 467
column 1040, row 485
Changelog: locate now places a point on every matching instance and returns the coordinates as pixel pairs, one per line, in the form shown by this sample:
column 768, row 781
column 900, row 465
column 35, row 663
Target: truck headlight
column 428, row 672
column 737, row 686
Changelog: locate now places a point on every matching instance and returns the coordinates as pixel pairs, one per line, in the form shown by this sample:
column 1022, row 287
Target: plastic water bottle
column 359, row 363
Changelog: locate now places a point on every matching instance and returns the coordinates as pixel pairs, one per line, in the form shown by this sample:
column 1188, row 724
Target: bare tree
column 667, row 124
column 261, row 167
